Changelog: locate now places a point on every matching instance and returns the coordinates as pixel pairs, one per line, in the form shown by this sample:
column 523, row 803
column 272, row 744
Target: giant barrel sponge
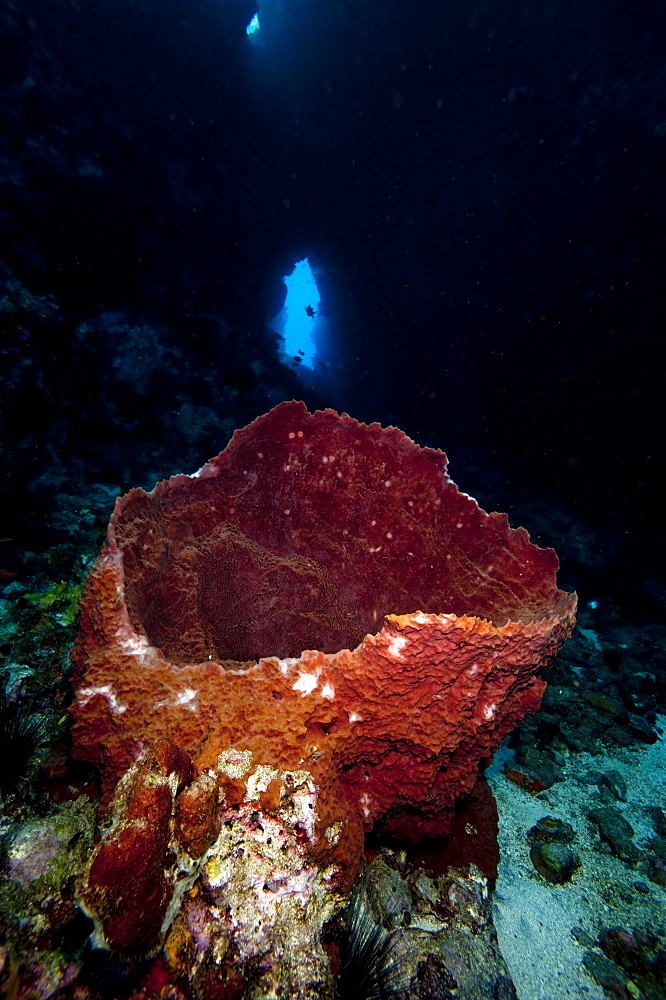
column 319, row 607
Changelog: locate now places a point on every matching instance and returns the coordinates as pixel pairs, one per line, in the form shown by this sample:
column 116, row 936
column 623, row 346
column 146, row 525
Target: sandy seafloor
column 535, row 919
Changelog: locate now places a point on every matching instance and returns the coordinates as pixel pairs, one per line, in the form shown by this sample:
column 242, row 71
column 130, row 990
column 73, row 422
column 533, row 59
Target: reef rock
column 335, row 634
column 416, row 936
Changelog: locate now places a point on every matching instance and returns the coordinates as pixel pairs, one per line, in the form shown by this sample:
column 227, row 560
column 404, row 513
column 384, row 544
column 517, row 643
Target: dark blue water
column 479, row 189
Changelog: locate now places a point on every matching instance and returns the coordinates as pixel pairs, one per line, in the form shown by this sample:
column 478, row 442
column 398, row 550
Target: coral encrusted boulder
column 319, row 607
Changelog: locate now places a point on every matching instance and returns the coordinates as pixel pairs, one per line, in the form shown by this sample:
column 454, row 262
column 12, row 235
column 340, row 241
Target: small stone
column 642, row 730
column 621, row 946
column 616, row 784
column 577, row 737
column 609, row 975
column 657, row 871
column 616, row 831
column 535, row 770
column 550, row 830
column 605, row 703
column 657, row 847
column 604, row 796
column 658, row 817
column 620, row 735
column 589, row 778
column 556, row 862
column 558, row 698
column 524, row 780
column 641, row 887
column 580, row 935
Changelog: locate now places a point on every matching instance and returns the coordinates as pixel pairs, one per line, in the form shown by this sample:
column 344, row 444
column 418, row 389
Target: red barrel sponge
column 319, row 599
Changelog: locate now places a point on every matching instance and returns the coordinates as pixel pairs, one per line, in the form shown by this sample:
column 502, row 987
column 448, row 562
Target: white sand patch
column 534, row 919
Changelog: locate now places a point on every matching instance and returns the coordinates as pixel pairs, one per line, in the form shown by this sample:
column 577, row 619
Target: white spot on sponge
column 397, row 645
column 187, row 697
column 106, row 691
column 306, row 683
